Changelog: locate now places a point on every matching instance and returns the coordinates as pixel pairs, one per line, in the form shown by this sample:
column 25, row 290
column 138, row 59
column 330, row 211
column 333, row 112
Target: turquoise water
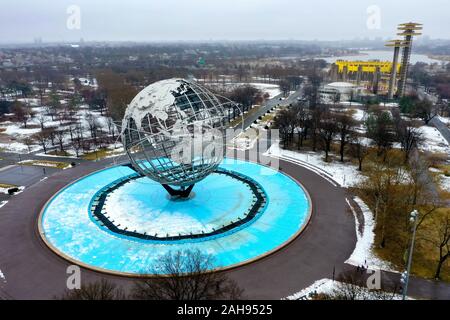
column 143, row 205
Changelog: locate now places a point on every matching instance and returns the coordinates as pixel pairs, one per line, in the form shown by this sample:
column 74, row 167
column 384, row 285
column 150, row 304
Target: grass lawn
column 398, row 229
column 59, row 153
column 100, row 154
column 7, row 186
column 46, row 163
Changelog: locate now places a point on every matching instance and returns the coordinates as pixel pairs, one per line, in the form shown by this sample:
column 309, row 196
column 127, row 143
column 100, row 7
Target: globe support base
column 180, row 193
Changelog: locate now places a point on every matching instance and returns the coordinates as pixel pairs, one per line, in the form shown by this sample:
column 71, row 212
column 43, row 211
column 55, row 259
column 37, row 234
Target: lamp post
column 414, row 218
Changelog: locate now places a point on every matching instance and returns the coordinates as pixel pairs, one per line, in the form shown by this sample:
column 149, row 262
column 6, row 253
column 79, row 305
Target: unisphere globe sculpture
column 173, row 133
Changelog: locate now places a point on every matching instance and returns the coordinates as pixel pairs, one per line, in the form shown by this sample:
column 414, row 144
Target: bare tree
column 42, row 119
column 22, row 113
column 379, row 127
column 421, row 185
column 93, row 124
column 188, row 279
column 408, row 135
column 425, row 110
column 345, row 124
column 358, row 149
column 443, row 244
column 28, row 142
column 312, row 89
column 55, row 105
column 43, row 138
column 60, row 136
column 77, row 145
column 327, row 131
column 51, row 134
column 381, row 184
column 303, row 122
column 111, row 126
column 285, row 87
column 316, row 119
column 285, row 121
column 100, row 290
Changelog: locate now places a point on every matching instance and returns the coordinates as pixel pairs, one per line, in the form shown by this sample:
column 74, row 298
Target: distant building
column 372, row 75
column 336, row 92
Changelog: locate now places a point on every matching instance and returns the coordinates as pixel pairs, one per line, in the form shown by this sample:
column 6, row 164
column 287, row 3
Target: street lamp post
column 414, row 218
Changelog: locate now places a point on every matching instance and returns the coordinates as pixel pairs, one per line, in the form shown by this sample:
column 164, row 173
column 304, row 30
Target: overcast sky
column 155, row 20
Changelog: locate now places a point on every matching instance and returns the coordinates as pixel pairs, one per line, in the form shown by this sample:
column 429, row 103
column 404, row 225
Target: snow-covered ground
column 389, row 104
column 358, row 114
column 5, row 191
column 445, row 183
column 17, row 129
column 18, row 147
column 322, row 286
column 71, row 155
column 363, row 254
column 271, row 89
column 433, row 141
column 344, row 174
column 29, row 101
column 349, row 103
column 2, row 277
column 17, row 133
column 330, row 287
column 445, row 120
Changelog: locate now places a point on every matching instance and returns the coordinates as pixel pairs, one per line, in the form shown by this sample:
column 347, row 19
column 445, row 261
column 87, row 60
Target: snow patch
column 322, row 286
column 330, row 287
column 343, row 174
column 363, row 254
column 445, row 120
column 2, row 276
column 445, row 183
column 433, row 140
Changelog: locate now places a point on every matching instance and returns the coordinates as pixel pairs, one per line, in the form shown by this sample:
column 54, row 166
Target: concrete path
column 442, row 128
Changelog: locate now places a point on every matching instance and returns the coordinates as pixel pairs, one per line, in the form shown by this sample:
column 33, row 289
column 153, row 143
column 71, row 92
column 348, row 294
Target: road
column 269, row 105
column 443, row 129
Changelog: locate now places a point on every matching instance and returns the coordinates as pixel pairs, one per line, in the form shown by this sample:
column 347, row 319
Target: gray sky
column 154, row 20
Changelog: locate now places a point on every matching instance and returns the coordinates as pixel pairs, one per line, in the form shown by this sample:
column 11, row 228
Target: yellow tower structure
column 408, row 31
column 397, row 44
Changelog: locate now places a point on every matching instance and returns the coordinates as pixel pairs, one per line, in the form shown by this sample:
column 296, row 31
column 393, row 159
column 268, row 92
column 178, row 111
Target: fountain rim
column 73, row 261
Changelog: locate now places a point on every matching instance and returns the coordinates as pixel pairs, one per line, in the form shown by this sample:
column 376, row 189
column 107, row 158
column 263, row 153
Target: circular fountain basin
column 117, row 222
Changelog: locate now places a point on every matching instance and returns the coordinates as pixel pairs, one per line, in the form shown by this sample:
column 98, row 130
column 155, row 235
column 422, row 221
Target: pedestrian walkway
column 442, row 128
